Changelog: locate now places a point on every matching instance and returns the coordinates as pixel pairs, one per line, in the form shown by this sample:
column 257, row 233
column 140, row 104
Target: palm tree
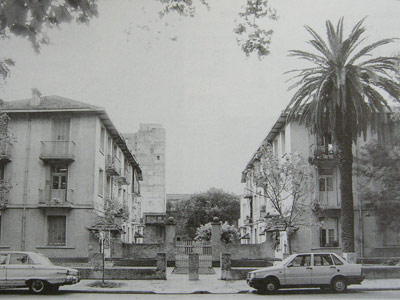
column 341, row 96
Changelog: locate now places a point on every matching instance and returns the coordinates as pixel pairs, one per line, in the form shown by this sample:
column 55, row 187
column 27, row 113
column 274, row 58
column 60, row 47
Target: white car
column 33, row 270
column 324, row 270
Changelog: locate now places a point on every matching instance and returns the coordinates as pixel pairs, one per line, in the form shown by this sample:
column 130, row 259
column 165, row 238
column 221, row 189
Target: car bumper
column 72, row 279
column 256, row 283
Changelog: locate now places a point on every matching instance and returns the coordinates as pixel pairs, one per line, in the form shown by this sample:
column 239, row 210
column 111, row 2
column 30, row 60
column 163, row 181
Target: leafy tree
column 378, row 170
column 229, row 233
column 287, row 184
column 201, row 208
column 340, row 95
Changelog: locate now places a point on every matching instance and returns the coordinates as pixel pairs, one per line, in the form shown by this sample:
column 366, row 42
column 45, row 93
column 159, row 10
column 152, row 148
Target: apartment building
column 321, row 227
column 67, row 160
column 148, row 145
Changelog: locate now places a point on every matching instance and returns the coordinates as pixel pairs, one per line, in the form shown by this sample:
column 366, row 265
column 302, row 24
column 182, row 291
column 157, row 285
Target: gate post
column 194, row 266
column 216, row 239
column 226, row 265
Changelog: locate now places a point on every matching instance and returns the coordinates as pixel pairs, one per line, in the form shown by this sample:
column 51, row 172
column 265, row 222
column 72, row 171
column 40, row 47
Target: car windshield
column 286, row 260
column 40, row 259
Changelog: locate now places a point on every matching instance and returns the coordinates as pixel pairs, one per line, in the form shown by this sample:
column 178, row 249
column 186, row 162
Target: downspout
column 26, row 180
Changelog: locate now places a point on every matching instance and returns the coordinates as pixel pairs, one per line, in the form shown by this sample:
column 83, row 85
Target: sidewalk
column 180, row 284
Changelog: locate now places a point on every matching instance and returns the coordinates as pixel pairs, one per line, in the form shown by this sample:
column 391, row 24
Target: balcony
column 5, row 152
column 49, row 198
column 154, row 218
column 322, row 209
column 57, row 151
column 113, row 166
column 125, row 177
column 323, row 156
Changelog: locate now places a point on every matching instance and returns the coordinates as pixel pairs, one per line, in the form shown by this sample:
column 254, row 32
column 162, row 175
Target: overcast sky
column 216, row 104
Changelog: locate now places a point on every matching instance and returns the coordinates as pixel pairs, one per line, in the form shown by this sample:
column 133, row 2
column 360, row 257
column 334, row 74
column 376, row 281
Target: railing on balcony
column 323, row 154
column 5, row 152
column 113, row 165
column 55, row 198
column 3, row 199
column 154, row 218
column 125, row 177
column 57, row 151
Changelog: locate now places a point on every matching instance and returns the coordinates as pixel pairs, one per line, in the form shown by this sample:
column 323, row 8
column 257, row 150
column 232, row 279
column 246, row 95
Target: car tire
column 271, row 285
column 38, row 286
column 339, row 285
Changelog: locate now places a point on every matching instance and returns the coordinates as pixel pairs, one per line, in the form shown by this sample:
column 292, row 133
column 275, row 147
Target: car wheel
column 271, row 285
column 38, row 286
column 339, row 285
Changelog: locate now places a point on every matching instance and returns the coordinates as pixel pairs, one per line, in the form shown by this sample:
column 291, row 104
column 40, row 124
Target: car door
column 299, row 270
column 19, row 268
column 3, row 262
column 323, row 269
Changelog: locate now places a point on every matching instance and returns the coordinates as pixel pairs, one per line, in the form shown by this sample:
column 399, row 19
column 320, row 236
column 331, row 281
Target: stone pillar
column 162, row 265
column 170, row 239
column 216, row 239
column 226, row 265
column 193, row 266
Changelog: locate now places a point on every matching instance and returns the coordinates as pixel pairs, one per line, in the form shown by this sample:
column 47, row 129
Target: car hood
column 268, row 269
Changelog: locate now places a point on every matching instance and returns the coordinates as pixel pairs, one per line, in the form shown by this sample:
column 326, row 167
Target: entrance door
column 327, row 195
column 60, row 136
column 299, row 270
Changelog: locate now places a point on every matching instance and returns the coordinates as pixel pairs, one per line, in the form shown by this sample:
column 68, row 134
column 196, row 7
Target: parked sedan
column 324, row 270
column 33, row 270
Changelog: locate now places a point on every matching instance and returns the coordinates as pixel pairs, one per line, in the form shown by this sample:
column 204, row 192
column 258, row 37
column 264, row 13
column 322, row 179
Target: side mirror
column 290, row 265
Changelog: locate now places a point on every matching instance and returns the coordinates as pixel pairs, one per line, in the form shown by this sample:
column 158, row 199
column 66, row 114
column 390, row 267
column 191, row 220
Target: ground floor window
column 57, row 230
column 329, row 232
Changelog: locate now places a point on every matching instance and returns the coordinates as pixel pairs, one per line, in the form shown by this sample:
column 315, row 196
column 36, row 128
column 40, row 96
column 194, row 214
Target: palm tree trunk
column 345, row 161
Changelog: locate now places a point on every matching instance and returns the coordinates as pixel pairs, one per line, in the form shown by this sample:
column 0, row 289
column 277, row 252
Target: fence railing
column 57, row 150
column 189, row 247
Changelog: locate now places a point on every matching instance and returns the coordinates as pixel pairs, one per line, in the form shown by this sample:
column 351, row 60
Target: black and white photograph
column 199, row 149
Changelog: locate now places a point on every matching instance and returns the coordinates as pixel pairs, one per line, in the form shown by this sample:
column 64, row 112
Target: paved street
column 292, row 294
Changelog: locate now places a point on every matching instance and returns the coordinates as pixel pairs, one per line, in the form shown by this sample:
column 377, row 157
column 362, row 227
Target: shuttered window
column 56, row 226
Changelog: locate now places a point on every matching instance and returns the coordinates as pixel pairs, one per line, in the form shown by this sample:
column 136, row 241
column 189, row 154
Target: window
column 101, row 182
column 283, row 144
column 329, row 232
column 322, row 260
column 56, row 229
column 59, row 177
column 102, row 138
column 301, row 261
column 3, row 259
column 20, row 259
column 337, row 260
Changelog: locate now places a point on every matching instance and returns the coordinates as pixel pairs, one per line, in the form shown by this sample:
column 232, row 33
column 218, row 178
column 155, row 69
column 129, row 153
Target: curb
column 200, row 292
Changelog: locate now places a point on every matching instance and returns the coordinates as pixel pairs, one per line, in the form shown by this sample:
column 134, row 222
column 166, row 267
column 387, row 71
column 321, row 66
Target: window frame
column 55, row 244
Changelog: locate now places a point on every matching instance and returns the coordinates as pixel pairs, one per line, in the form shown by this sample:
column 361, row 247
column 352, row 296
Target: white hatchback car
column 324, row 270
column 33, row 270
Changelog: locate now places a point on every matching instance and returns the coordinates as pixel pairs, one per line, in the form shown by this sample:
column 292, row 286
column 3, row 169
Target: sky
column 188, row 74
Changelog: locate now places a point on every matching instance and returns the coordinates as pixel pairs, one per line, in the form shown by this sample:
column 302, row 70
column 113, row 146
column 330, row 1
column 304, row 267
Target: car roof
column 10, row 252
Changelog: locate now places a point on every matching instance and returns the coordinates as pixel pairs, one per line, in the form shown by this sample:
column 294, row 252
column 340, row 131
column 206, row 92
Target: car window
column 337, row 260
column 301, row 261
column 322, row 260
column 20, row 259
column 3, row 259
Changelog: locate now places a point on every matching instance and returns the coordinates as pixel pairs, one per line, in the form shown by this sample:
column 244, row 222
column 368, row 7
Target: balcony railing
column 323, row 154
column 49, row 198
column 5, row 152
column 113, row 166
column 125, row 177
column 155, row 218
column 57, row 151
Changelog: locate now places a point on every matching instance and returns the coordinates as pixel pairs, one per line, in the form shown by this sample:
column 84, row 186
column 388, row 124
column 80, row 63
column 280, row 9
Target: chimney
column 35, row 101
